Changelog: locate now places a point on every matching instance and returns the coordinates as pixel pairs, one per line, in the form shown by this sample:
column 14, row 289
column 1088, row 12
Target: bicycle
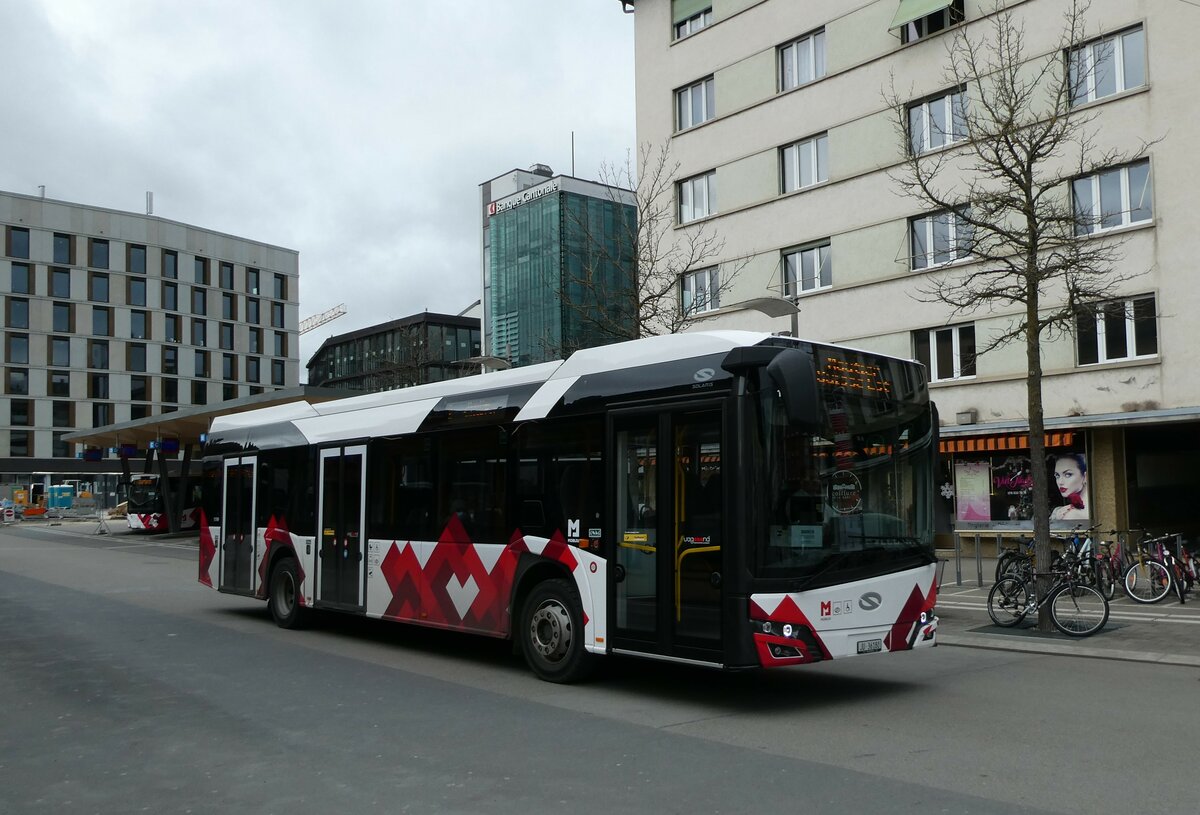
column 1094, row 569
column 1150, row 578
column 1022, row 560
column 1076, row 609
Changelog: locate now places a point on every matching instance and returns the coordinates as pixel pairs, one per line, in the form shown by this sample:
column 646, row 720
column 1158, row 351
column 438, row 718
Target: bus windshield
column 850, row 500
column 143, row 494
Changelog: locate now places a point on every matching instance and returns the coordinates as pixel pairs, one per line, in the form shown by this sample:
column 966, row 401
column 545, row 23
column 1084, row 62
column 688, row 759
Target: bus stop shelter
column 159, row 439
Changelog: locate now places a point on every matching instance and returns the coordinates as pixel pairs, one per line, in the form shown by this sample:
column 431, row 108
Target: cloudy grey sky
column 354, row 131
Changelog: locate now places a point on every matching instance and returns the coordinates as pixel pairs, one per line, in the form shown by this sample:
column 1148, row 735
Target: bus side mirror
column 794, row 375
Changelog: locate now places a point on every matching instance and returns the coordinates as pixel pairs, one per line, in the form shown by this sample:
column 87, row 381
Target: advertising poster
column 973, row 488
column 999, row 489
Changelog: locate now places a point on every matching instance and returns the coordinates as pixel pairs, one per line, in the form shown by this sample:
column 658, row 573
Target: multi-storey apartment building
column 113, row 316
column 554, row 248
column 425, row 347
column 778, row 115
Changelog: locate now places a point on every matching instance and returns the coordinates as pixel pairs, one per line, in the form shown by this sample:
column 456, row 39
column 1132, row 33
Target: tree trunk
column 1037, row 448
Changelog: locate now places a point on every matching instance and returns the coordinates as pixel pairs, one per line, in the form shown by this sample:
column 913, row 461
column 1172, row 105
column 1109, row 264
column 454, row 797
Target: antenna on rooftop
column 149, row 203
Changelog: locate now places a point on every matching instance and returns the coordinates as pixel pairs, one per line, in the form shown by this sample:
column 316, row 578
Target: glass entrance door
column 342, row 572
column 670, row 504
column 238, row 533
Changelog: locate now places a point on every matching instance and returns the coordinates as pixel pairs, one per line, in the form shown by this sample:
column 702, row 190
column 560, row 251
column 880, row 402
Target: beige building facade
column 778, row 115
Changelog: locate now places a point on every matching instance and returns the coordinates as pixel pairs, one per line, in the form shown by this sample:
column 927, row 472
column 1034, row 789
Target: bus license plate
column 870, row 646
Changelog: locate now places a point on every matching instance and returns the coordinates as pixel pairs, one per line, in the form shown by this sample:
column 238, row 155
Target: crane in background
column 318, row 320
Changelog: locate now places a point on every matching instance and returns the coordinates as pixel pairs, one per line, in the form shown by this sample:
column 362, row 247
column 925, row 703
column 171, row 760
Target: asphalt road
column 127, row 687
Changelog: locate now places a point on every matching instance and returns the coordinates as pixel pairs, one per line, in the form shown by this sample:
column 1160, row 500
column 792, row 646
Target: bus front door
column 238, row 534
column 341, row 572
column 666, row 596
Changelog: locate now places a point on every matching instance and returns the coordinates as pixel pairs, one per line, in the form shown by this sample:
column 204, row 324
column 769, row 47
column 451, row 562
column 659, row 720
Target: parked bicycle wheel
column 1147, row 582
column 1009, row 563
column 1105, row 580
column 1008, row 601
column 1078, row 611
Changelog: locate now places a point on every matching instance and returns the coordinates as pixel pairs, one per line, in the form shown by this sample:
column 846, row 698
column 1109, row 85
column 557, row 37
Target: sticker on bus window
column 637, row 537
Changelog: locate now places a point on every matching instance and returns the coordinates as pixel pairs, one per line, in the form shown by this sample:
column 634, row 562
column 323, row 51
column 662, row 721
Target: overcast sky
column 354, row 131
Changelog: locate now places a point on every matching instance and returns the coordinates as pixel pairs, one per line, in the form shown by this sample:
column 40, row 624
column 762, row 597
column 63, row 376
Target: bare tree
column 649, row 246
column 1002, row 201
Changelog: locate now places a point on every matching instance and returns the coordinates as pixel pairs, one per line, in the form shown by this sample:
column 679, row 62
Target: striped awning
column 1014, row 441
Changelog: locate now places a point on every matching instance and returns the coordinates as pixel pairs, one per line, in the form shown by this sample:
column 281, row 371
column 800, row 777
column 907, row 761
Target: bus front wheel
column 551, row 632
column 285, row 600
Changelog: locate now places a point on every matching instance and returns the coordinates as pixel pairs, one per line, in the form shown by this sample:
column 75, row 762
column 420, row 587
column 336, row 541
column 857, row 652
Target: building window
column 229, row 392
column 139, row 325
column 60, row 283
column 277, row 315
column 695, row 104
column 18, row 348
column 102, row 414
column 98, row 354
column 136, row 356
column 252, row 374
column 697, row 197
column 18, row 242
column 136, row 259
column 948, row 353
column 98, row 253
column 1116, row 330
column 63, row 414
column 170, row 264
column 136, row 291
column 201, row 365
column 199, row 333
column 1113, row 198
column 685, row 26
column 226, row 336
column 937, row 122
column 280, row 344
column 170, row 360
column 98, row 287
column 101, row 321
column 252, row 281
column 97, row 386
column 700, row 291
column 277, row 372
column 18, row 312
column 170, row 297
column 199, row 393
column 805, row 163
column 60, row 383
column 949, row 14
column 60, row 352
column 801, row 61
column 139, row 388
column 18, row 443
column 18, row 381
column 60, row 448
column 229, row 366
column 19, row 412
column 170, row 390
column 255, row 335
column 807, row 269
column 937, row 239
column 228, row 306
column 226, row 275
column 199, row 301
column 20, row 279
column 139, row 411
column 64, row 317
column 171, row 328
column 252, row 315
column 280, row 287
column 200, row 271
column 63, row 249
column 1108, row 66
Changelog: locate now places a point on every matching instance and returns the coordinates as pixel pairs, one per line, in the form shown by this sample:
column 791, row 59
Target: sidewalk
column 1167, row 632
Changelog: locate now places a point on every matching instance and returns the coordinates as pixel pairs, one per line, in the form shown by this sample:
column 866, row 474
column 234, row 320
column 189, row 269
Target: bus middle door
column 341, row 572
column 239, row 537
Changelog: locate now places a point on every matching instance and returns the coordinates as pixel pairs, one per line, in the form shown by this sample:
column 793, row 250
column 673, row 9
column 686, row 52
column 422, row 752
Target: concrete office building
column 425, row 347
column 543, row 234
column 775, row 111
column 112, row 316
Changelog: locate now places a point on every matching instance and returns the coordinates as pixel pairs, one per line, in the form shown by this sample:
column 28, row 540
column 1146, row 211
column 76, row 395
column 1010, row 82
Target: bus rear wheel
column 550, row 632
column 285, row 599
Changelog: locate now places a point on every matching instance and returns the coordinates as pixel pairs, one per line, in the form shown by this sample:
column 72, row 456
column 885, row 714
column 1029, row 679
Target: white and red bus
column 145, row 505
column 727, row 499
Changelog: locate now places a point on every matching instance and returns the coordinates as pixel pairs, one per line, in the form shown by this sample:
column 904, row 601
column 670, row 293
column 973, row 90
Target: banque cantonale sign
column 523, row 197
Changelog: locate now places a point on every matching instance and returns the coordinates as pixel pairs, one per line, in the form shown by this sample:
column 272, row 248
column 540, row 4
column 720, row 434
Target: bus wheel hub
column 550, row 630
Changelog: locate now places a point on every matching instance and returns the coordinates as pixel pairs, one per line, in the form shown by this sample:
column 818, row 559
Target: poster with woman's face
column 1070, row 486
column 998, row 489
